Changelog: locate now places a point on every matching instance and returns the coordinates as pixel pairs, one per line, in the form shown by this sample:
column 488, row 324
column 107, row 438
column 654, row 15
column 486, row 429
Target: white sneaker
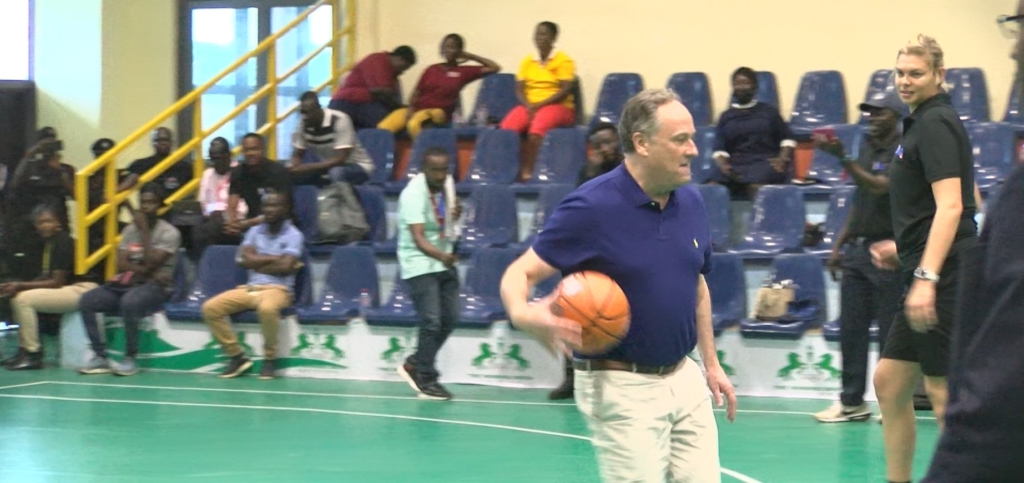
column 838, row 413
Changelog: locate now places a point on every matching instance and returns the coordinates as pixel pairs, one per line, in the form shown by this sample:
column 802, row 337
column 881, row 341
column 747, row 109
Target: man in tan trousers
column 271, row 252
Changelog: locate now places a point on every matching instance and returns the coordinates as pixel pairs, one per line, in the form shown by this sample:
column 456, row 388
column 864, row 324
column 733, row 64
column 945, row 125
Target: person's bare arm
column 340, row 156
column 717, row 380
column 490, row 66
column 564, row 88
column 422, row 244
column 58, row 279
column 521, row 93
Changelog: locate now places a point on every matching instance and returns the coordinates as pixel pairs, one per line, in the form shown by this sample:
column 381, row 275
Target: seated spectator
column 605, row 151
column 271, row 252
column 371, row 90
column 250, row 180
column 213, row 187
column 146, row 259
column 173, row 178
column 544, row 85
column 753, row 145
column 437, row 93
column 332, row 138
column 53, row 290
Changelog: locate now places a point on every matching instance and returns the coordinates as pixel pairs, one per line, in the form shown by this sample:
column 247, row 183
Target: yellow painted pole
column 272, row 101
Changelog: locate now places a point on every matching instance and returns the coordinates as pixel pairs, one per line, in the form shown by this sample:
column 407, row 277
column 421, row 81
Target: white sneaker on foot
column 838, row 413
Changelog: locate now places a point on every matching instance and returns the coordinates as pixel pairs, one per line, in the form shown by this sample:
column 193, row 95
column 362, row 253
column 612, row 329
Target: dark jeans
column 436, row 298
column 132, row 303
column 867, row 293
column 365, row 115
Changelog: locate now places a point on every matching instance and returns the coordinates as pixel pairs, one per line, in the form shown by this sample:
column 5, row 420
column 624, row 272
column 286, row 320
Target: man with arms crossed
column 646, row 402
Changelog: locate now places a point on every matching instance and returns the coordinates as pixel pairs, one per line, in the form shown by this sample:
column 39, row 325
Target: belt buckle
column 634, row 367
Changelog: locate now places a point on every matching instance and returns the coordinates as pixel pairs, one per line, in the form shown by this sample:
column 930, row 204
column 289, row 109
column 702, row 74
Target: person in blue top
column 271, row 252
column 647, row 403
column 984, row 437
column 753, row 145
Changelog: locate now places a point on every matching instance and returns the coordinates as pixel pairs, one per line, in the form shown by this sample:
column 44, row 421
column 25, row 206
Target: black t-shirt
column 252, row 183
column 44, row 257
column 872, row 212
column 172, row 179
column 935, row 147
column 605, row 167
column 40, row 183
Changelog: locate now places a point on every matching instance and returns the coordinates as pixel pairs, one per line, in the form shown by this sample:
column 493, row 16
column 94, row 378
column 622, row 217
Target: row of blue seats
column 352, row 271
column 820, row 99
column 495, row 158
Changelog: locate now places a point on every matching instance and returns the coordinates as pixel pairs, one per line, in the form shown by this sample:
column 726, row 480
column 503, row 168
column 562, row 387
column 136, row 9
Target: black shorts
column 930, row 349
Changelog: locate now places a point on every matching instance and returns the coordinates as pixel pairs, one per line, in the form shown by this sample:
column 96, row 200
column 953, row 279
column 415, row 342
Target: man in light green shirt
column 428, row 213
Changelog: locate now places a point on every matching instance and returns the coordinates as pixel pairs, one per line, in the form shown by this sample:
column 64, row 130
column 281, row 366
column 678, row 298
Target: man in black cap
column 984, row 436
column 867, row 292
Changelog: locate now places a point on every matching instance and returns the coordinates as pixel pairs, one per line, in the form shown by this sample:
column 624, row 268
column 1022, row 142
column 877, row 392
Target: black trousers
column 867, row 294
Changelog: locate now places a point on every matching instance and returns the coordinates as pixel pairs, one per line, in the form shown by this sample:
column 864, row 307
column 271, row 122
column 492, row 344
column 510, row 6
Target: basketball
column 598, row 304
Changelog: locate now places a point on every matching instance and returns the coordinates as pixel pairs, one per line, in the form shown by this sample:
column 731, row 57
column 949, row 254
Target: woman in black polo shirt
column 933, row 208
column 53, row 290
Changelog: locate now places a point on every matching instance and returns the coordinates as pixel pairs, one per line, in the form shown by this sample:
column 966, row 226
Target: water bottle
column 364, row 302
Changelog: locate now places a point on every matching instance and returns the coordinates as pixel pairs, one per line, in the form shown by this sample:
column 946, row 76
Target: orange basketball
column 598, row 304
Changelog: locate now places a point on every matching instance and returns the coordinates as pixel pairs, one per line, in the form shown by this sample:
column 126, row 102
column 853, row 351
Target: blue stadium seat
column 767, row 88
column 352, row 269
column 428, row 138
column 995, row 146
column 398, row 310
column 495, row 159
column 616, row 89
column 375, row 207
column 703, row 166
column 806, row 272
column 776, row 223
column 969, row 93
column 491, row 219
column 549, row 198
column 380, row 145
column 716, row 204
column 305, row 212
column 820, row 101
column 496, row 97
column 728, row 287
column 480, row 297
column 1013, row 115
column 826, row 168
column 694, row 89
column 835, row 220
column 562, row 154
column 218, row 272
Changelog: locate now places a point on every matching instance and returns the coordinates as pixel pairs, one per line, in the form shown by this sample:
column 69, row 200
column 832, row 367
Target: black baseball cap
column 102, row 145
column 46, row 133
column 886, row 99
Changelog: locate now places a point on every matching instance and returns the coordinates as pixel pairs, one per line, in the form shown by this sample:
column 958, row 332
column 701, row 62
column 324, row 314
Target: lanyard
column 439, row 210
column 46, row 257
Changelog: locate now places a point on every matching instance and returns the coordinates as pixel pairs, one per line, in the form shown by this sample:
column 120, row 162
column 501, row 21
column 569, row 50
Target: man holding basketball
column 646, row 402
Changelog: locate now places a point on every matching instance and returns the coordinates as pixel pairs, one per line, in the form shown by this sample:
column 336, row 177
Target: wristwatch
column 924, row 274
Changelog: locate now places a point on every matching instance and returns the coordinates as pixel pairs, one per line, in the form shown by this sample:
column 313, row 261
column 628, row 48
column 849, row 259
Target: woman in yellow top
column 543, row 86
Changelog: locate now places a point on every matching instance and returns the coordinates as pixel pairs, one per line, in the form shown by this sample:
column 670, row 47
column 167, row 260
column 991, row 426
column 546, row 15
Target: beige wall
column 116, row 72
column 659, row 37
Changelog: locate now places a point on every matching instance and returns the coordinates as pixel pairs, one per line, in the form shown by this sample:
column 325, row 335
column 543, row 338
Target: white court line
column 372, row 396
column 726, row 471
column 37, row 383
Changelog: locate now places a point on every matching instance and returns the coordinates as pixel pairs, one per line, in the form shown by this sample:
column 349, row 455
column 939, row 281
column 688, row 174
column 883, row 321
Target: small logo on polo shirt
column 695, row 245
column 899, row 151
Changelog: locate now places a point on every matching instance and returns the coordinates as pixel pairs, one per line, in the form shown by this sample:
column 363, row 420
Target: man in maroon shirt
column 371, row 90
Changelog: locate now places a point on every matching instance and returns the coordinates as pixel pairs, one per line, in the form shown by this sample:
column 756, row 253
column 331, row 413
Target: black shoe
column 236, row 367
column 28, row 361
column 267, row 371
column 425, row 389
column 16, row 358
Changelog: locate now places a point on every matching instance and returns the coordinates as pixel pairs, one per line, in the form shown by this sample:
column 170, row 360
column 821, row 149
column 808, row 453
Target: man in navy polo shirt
column 646, row 402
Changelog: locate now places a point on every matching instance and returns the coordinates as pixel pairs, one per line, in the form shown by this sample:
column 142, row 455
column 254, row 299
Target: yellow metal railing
column 108, row 211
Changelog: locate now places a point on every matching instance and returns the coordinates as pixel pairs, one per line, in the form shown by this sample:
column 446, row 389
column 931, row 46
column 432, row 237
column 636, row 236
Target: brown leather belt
column 609, row 365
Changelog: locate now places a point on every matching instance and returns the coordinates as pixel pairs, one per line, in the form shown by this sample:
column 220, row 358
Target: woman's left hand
column 919, row 306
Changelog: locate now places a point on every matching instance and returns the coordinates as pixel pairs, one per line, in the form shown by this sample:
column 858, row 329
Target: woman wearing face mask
column 54, row 290
column 436, row 95
column 933, row 209
column 753, row 145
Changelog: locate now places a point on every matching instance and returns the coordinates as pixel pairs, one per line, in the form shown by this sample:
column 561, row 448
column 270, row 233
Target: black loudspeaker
column 17, row 120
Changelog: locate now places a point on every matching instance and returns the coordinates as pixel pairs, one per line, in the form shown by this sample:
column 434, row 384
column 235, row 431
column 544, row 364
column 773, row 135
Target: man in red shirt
column 371, row 90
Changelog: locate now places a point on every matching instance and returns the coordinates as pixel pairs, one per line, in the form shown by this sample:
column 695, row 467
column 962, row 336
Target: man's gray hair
column 639, row 115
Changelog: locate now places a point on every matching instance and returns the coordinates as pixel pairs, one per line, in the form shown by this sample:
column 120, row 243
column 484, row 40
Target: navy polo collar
column 632, row 191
